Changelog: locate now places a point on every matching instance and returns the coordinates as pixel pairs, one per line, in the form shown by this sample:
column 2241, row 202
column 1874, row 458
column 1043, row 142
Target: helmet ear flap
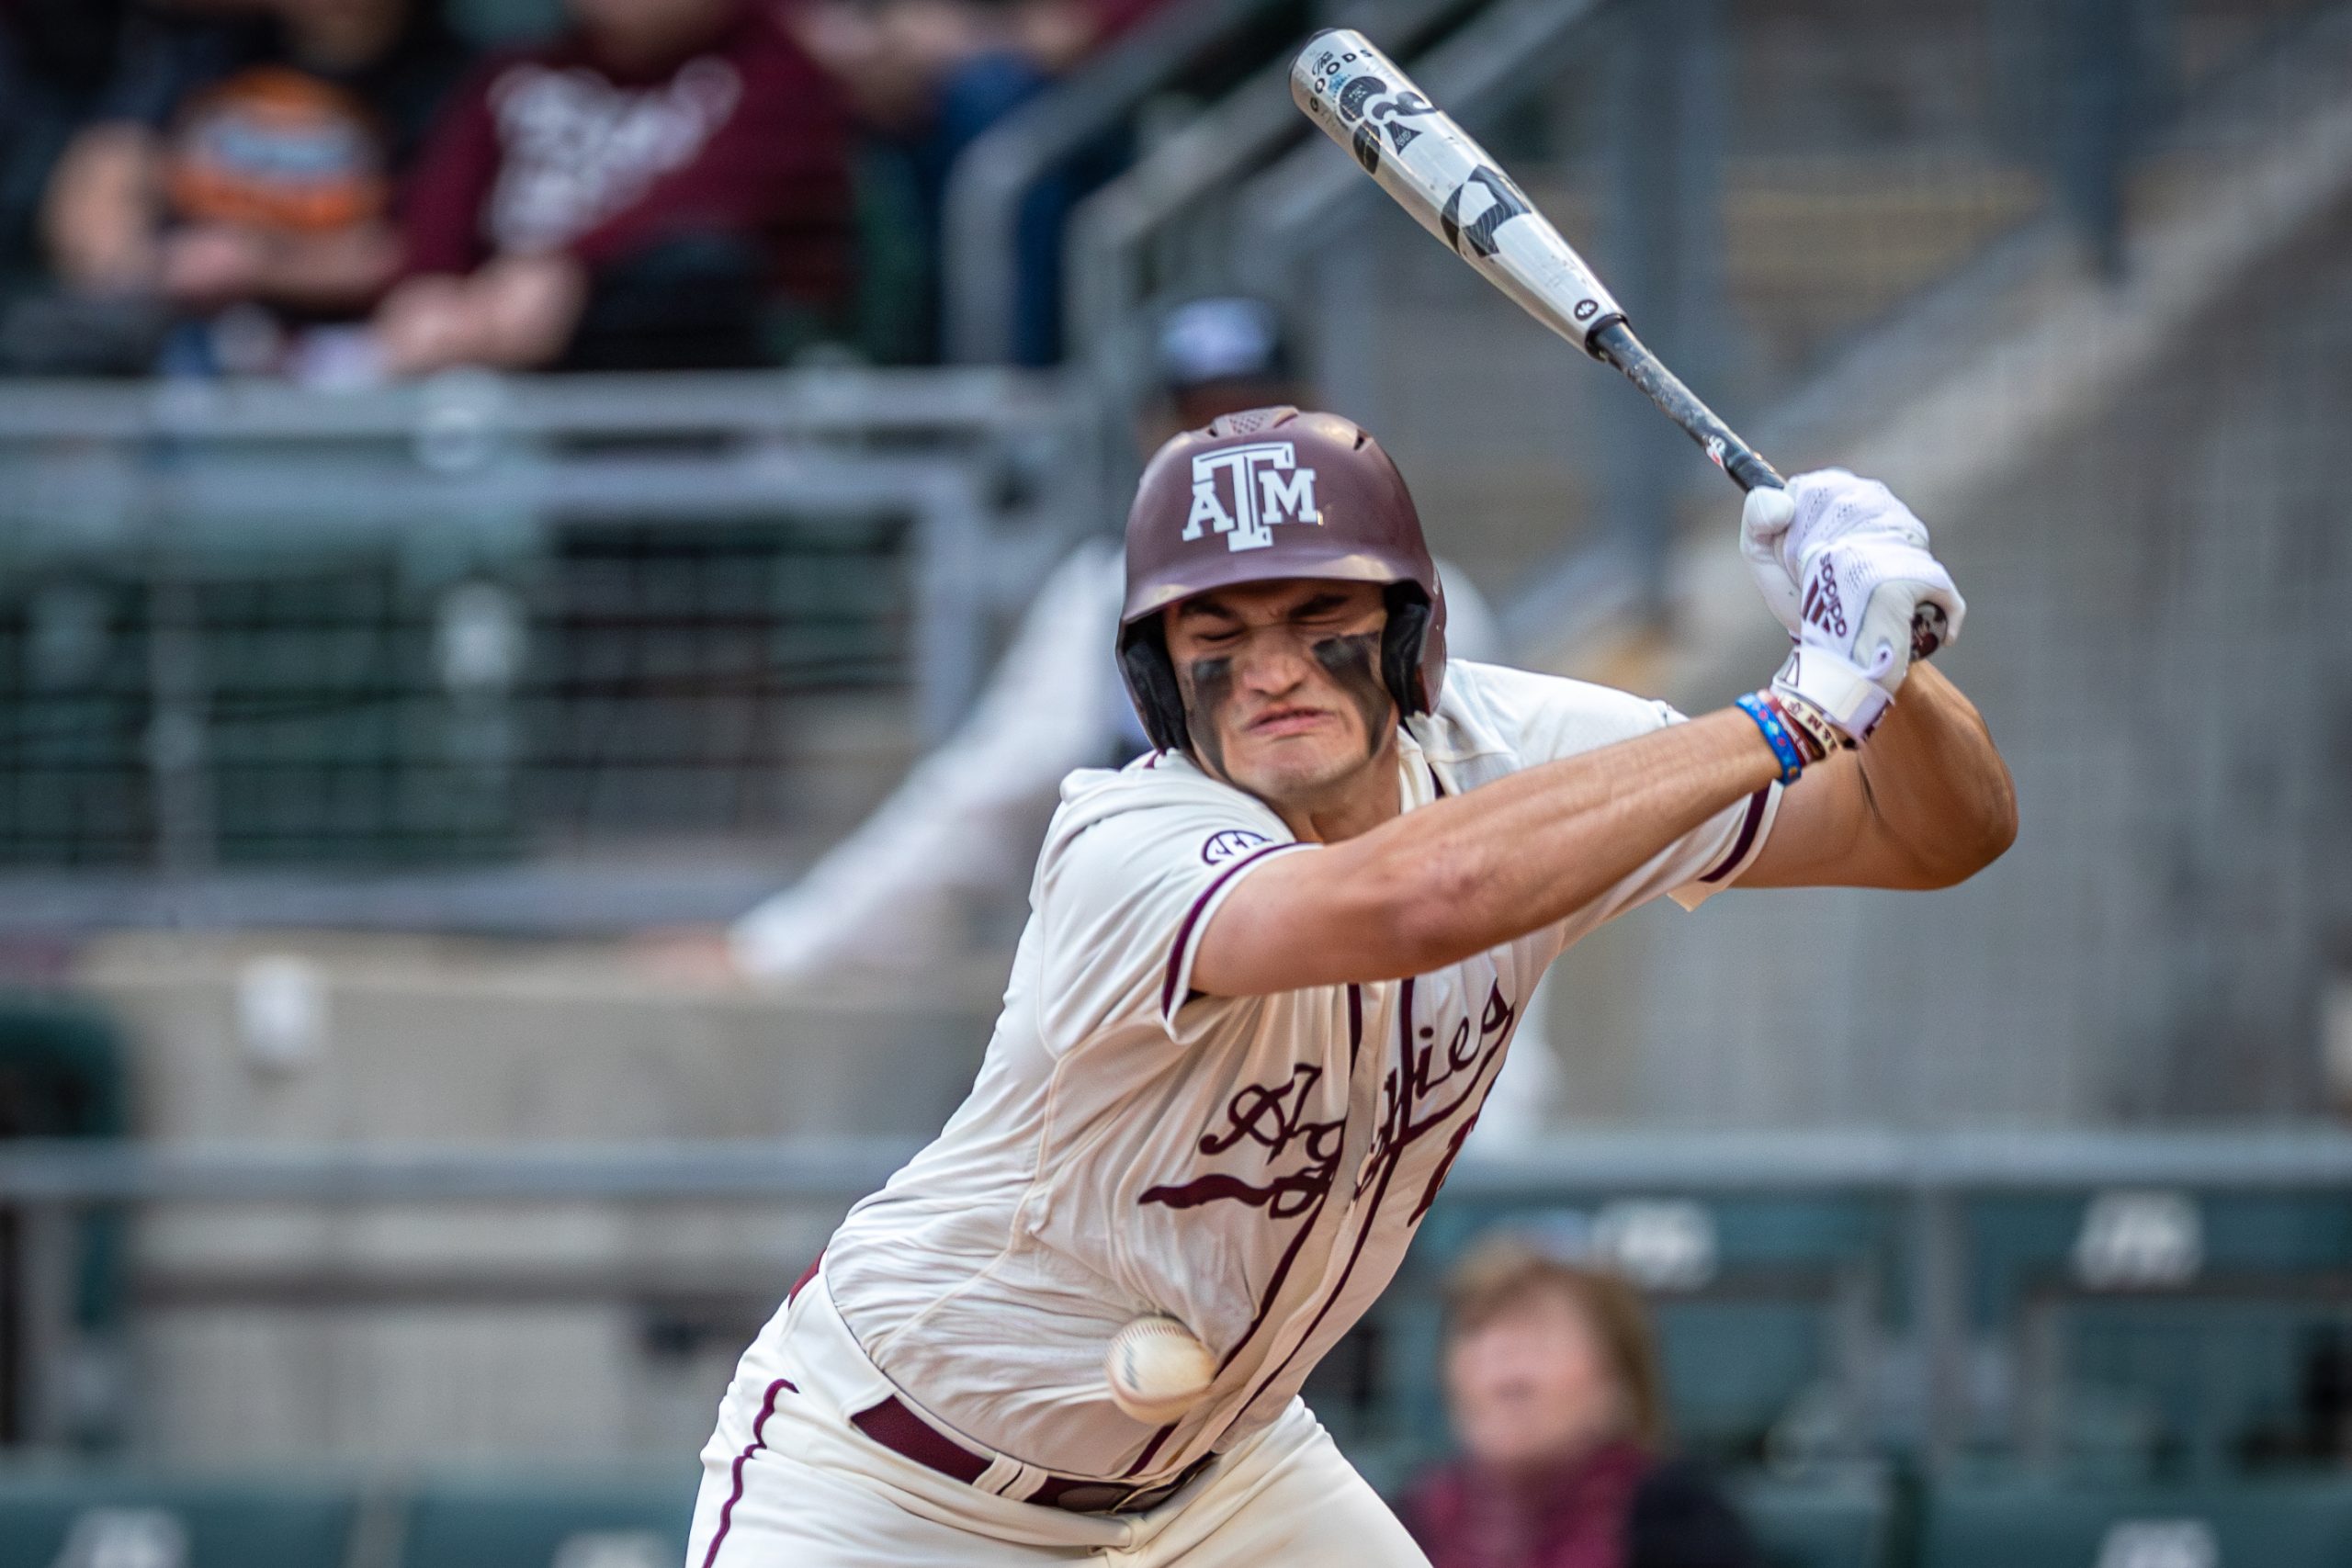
column 1400, row 648
column 1151, row 682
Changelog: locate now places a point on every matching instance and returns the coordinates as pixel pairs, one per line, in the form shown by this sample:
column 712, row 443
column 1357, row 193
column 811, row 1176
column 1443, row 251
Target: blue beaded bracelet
column 1776, row 735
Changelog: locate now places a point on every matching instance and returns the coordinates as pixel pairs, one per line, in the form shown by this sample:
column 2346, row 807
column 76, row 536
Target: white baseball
column 1157, row 1369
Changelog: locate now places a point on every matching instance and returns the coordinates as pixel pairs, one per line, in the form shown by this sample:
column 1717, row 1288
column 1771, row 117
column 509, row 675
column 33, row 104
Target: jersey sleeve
column 1122, row 899
column 1544, row 718
column 1726, row 845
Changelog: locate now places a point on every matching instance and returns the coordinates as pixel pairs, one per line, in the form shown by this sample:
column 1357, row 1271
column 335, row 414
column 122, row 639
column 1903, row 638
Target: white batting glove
column 1858, row 598
column 1764, row 522
column 1779, row 528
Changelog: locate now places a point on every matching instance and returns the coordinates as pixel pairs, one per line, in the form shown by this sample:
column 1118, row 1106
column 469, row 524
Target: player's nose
column 1275, row 663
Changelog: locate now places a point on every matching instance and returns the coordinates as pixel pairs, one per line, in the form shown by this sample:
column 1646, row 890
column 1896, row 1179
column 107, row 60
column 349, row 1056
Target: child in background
column 239, row 158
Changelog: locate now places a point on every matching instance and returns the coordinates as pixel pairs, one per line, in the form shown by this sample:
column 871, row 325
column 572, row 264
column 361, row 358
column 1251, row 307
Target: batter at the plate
column 1270, row 971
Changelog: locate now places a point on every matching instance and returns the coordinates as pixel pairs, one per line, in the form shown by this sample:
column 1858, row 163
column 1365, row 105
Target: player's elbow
column 1975, row 838
column 1994, row 825
column 2000, row 825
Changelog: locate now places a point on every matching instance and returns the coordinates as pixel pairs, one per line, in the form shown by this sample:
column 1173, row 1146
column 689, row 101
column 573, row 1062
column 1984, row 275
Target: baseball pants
column 788, row 1482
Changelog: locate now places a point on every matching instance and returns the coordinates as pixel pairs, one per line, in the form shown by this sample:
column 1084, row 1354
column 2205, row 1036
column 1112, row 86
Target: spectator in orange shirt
column 237, row 160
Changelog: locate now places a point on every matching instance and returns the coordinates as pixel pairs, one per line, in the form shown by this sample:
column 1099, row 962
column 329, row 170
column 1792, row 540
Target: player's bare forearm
column 1459, row 877
column 1927, row 802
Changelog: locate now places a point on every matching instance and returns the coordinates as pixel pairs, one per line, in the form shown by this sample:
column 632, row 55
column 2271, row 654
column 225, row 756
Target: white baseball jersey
column 1253, row 1167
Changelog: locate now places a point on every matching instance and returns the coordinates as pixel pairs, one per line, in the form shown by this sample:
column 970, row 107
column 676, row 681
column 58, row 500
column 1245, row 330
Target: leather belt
column 908, row 1434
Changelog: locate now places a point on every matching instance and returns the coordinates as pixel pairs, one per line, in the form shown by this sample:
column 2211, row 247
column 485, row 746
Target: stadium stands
column 93, row 1521
column 1831, row 1523
column 573, row 659
column 2162, row 1326
column 578, row 1520
column 637, row 1520
column 2038, row 1525
column 615, row 1521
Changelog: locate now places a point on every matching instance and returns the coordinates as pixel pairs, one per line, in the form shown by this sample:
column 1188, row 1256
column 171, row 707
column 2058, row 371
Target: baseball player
column 1270, row 973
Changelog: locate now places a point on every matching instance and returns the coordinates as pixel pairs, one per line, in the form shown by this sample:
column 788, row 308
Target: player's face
column 1530, row 1386
column 1281, row 686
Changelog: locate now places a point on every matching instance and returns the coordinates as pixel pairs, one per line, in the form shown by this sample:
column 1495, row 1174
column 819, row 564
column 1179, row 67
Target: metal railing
column 839, row 1170
column 480, row 620
column 981, row 262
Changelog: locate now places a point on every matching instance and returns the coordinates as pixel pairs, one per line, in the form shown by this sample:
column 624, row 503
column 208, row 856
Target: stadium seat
column 504, row 21
column 50, row 1520
column 1733, row 1368
column 633, row 1521
column 1828, row 1524
column 2209, row 1369
column 2299, row 1524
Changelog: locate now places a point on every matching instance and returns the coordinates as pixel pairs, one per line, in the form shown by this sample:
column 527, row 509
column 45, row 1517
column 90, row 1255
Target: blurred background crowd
column 341, row 191
column 554, row 553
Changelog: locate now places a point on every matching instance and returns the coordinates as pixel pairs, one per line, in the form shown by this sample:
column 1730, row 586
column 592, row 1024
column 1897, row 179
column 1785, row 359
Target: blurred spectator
column 931, row 76
column 1211, row 357
column 55, row 58
column 1552, row 1379
column 904, row 61
column 237, row 159
column 635, row 195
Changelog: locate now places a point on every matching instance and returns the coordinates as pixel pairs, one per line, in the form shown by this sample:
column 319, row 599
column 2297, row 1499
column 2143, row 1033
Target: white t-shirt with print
column 1252, row 1166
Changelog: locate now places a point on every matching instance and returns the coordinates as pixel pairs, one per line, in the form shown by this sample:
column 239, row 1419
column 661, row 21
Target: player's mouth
column 1288, row 720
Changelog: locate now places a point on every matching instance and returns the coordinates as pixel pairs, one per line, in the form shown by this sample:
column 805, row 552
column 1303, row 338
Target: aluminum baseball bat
column 1453, row 189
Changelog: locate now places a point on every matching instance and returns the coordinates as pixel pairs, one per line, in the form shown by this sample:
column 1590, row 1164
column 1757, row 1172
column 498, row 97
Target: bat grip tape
column 1749, row 471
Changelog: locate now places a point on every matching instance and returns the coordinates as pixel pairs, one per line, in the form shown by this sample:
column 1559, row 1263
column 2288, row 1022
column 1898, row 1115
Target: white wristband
column 1837, row 687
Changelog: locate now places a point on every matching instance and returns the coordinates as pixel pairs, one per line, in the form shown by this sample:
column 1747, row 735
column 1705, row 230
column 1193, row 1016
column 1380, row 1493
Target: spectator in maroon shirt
column 632, row 196
column 1552, row 1381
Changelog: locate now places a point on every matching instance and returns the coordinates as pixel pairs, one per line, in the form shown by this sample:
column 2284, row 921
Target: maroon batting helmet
column 1266, row 494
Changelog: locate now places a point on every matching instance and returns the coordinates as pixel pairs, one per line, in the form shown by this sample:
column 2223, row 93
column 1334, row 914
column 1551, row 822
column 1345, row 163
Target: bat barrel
column 1437, row 172
column 1366, row 103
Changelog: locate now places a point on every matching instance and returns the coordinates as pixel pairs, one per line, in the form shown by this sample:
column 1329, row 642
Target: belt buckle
column 1150, row 1497
column 1141, row 1497
column 1108, row 1497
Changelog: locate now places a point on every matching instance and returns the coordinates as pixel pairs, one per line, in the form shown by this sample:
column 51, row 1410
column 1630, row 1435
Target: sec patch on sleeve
column 1223, row 845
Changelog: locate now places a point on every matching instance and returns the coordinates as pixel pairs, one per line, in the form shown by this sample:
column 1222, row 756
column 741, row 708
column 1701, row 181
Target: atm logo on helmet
column 1265, row 486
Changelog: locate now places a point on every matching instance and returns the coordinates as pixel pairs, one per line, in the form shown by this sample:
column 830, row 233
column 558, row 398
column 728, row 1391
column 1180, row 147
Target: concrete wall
column 560, row 1331
column 2158, row 635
